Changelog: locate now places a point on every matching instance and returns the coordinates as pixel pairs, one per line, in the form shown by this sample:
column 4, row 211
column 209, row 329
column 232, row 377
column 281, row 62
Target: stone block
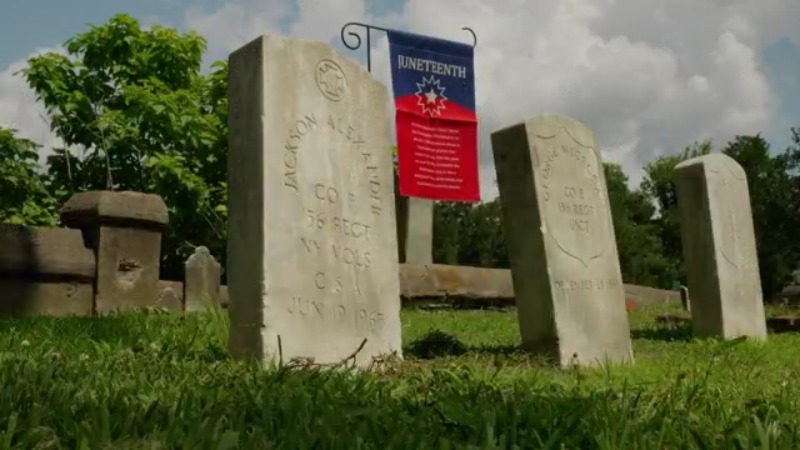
column 45, row 271
column 125, row 230
column 414, row 228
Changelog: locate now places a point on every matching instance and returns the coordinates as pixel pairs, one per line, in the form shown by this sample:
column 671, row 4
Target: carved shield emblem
column 575, row 205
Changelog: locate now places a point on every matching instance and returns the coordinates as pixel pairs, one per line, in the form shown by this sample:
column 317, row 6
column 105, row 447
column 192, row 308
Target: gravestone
column 201, row 281
column 685, row 302
column 312, row 246
column 564, row 264
column 719, row 248
column 168, row 299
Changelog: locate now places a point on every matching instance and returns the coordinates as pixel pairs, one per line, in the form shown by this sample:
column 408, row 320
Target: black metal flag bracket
column 355, row 43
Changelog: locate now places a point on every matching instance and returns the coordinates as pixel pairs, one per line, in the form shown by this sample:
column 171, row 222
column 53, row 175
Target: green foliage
column 469, row 234
column 640, row 249
column 24, row 197
column 153, row 380
column 658, row 185
column 774, row 204
column 146, row 120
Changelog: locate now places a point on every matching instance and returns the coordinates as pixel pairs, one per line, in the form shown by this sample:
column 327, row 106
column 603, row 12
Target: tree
column 146, row 119
column 774, row 205
column 658, row 185
column 24, row 198
column 640, row 249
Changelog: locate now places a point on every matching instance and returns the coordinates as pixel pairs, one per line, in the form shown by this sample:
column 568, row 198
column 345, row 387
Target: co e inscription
column 573, row 204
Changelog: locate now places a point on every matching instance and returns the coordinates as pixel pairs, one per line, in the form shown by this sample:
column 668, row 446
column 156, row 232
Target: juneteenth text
column 427, row 65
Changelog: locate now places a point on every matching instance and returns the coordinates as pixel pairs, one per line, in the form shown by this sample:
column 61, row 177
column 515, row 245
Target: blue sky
column 730, row 69
column 54, row 21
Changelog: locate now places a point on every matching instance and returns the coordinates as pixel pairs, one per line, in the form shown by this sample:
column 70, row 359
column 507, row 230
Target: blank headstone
column 312, row 245
column 564, row 264
column 719, row 248
column 201, row 281
column 414, row 229
column 168, row 299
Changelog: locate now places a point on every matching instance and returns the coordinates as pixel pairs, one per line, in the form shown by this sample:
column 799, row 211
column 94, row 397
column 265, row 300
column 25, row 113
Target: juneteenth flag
column 437, row 128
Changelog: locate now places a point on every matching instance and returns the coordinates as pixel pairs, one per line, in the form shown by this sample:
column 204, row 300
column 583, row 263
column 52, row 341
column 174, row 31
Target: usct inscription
column 576, row 210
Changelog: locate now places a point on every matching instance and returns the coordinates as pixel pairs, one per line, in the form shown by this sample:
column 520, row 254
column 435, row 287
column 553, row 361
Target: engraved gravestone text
column 575, row 206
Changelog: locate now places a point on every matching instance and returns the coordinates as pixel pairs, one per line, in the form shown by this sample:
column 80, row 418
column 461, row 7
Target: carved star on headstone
column 332, row 81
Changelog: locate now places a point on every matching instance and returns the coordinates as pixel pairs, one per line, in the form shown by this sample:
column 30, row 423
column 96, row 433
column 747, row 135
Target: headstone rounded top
column 715, row 160
column 95, row 208
column 556, row 123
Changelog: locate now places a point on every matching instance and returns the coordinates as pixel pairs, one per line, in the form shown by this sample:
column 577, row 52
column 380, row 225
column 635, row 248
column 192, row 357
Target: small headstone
column 312, row 245
column 565, row 269
column 685, row 302
column 719, row 248
column 169, row 300
column 201, row 281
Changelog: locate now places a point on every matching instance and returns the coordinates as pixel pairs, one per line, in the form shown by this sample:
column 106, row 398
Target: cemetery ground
column 151, row 379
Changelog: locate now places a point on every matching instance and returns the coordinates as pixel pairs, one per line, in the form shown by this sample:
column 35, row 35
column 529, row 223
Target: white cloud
column 237, row 23
column 648, row 76
column 20, row 110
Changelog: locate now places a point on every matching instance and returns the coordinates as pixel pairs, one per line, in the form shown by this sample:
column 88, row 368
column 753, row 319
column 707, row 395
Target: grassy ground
column 149, row 380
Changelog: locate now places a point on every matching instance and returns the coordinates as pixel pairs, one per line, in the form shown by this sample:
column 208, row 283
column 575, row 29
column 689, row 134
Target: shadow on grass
column 670, row 334
column 438, row 344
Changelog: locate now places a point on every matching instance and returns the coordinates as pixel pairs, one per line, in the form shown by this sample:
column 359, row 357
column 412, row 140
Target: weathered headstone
column 201, row 281
column 312, row 246
column 719, row 248
column 168, row 299
column 564, row 264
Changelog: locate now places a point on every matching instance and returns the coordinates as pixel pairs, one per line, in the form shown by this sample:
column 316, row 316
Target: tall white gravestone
column 564, row 264
column 719, row 248
column 312, row 245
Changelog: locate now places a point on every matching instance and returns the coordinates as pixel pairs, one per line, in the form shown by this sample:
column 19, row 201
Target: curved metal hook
column 367, row 27
column 474, row 37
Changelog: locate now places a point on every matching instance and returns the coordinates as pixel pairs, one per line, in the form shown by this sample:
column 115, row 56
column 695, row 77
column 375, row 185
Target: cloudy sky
column 648, row 76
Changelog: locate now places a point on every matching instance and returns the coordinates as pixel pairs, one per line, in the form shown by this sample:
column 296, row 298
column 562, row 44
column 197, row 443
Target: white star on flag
column 430, row 94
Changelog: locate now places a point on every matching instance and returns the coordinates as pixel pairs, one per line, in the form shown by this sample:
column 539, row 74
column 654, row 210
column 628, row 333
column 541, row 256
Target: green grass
column 153, row 380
